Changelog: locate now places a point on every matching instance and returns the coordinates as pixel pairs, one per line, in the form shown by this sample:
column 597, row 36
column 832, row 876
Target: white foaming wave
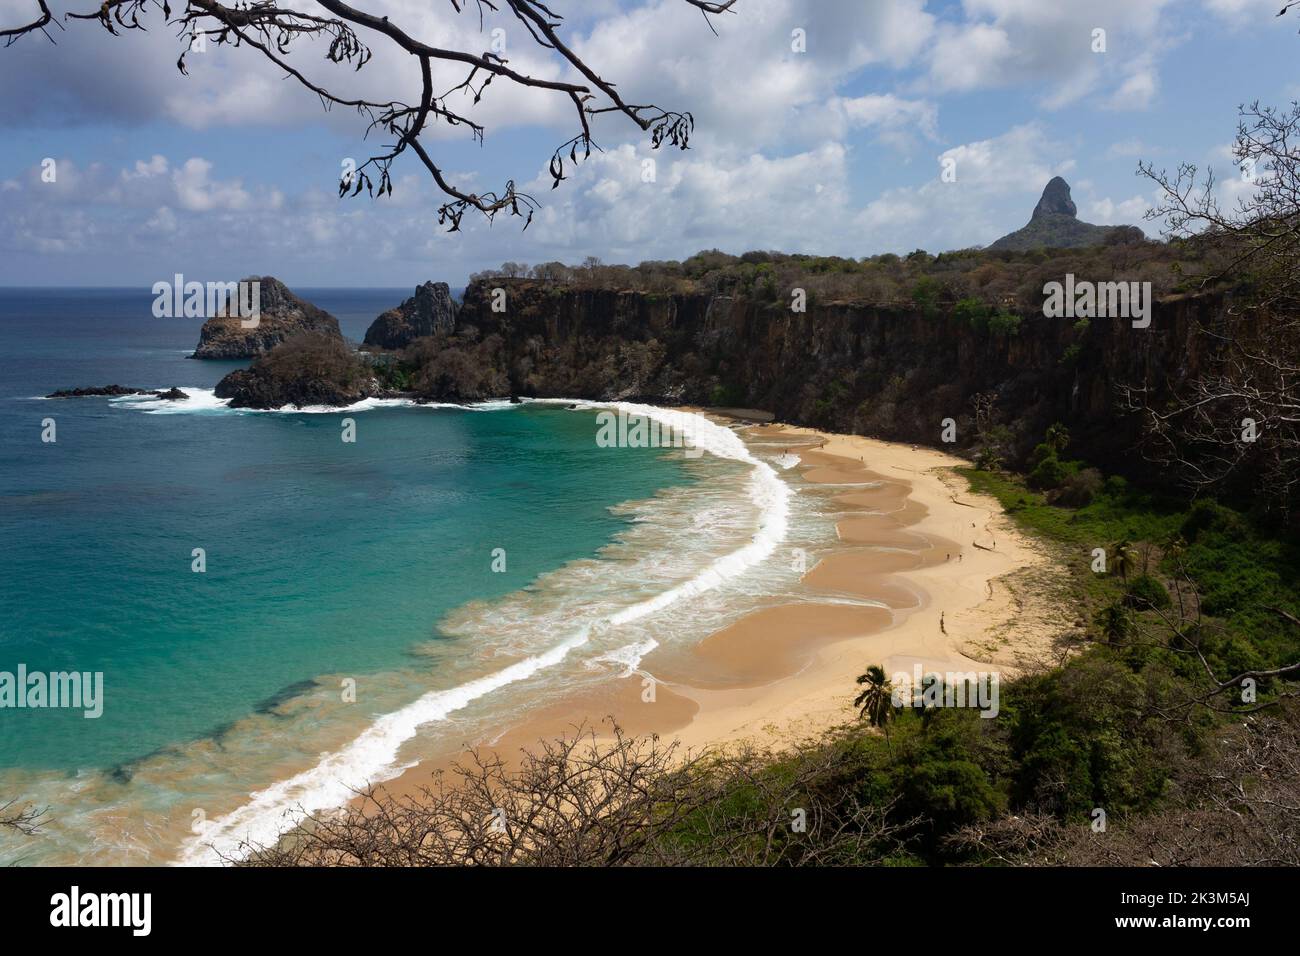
column 204, row 400
column 766, row 490
column 628, row 657
column 372, row 756
column 198, row 400
column 365, row 405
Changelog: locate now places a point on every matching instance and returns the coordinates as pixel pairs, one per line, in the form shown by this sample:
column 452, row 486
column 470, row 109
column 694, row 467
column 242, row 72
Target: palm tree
column 1114, row 622
column 1057, row 437
column 875, row 704
column 1126, row 558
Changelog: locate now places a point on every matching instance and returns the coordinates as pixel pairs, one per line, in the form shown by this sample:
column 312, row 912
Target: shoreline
column 913, row 544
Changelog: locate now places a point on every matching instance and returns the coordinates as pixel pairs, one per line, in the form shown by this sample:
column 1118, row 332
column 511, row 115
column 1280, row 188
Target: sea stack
column 430, row 311
column 282, row 314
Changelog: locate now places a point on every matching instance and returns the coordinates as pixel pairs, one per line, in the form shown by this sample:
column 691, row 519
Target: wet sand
column 905, row 556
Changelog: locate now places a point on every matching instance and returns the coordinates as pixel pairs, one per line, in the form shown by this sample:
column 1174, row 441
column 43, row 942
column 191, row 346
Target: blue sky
column 836, row 149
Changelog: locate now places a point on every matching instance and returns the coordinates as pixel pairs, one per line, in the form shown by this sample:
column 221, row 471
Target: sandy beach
column 923, row 572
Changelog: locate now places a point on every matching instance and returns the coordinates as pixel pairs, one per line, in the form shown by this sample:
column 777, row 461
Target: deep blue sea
column 329, row 566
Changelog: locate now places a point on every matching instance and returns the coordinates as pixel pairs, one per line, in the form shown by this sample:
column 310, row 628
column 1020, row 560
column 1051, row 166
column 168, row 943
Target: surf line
column 372, row 756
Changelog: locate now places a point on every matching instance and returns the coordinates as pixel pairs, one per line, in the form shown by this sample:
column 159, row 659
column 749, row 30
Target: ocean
column 358, row 601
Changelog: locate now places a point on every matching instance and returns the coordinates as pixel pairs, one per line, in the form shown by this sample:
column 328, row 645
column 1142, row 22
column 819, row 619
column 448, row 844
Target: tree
column 584, row 799
column 1239, row 418
column 875, row 704
column 1057, row 437
column 1124, row 558
column 984, row 406
column 275, row 31
column 1114, row 622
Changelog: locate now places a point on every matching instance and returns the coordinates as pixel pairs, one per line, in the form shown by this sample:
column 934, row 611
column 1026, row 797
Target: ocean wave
column 374, row 755
column 199, row 400
column 334, row 781
column 205, row 401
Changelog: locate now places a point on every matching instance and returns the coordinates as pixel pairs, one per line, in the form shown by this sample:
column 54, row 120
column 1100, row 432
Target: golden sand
column 785, row 673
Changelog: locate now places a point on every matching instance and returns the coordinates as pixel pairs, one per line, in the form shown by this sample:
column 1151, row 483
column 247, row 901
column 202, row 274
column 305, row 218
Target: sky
column 822, row 127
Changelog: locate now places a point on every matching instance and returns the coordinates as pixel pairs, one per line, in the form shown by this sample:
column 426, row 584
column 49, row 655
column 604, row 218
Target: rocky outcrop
column 895, row 372
column 282, row 314
column 430, row 311
column 1055, row 225
column 308, row 369
column 260, row 388
column 891, row 372
column 113, row 391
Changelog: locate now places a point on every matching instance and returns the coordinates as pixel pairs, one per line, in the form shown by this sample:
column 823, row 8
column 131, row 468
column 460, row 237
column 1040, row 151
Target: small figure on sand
column 942, row 629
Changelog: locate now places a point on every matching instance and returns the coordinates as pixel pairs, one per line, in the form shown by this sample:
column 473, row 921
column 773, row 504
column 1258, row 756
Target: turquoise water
column 322, row 557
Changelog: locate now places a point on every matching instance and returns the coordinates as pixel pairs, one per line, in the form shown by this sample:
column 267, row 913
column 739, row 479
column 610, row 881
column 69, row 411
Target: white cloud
column 748, row 88
column 1136, row 92
column 1030, row 43
column 998, row 181
column 894, row 120
column 197, row 192
column 1107, row 212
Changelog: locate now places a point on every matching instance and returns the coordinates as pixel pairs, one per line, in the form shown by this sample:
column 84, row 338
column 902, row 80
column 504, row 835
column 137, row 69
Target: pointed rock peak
column 1056, row 200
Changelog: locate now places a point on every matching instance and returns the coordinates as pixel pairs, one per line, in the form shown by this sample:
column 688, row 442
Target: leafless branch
column 272, row 31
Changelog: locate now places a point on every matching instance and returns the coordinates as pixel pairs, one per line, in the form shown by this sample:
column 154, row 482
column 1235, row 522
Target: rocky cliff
column 282, row 314
column 894, row 373
column 430, row 311
column 1055, row 225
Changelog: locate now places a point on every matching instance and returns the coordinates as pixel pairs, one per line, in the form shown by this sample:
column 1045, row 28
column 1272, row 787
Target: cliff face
column 282, row 314
column 430, row 311
column 894, row 373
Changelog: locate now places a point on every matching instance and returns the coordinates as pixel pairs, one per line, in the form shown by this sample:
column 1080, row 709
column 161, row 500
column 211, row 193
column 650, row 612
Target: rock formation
column 308, row 369
column 113, row 391
column 282, row 314
column 894, row 372
column 430, row 311
column 1055, row 225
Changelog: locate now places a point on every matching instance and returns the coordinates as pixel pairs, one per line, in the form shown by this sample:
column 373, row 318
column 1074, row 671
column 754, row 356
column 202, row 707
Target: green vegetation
column 1146, row 720
column 991, row 289
column 1129, row 723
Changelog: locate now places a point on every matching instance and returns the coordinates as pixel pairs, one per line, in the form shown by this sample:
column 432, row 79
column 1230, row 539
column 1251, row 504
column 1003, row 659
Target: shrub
column 1209, row 515
column 1041, row 451
column 1145, row 592
column 972, row 311
column 925, row 295
column 1004, row 323
column 1078, row 489
column 725, row 396
column 1048, row 473
column 1116, row 486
